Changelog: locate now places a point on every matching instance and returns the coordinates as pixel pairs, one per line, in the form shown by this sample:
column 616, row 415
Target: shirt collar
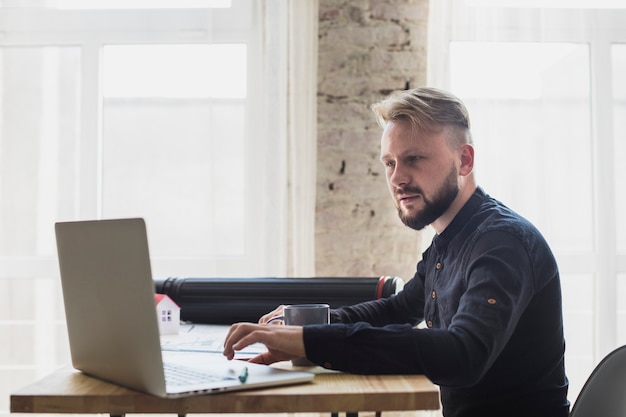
column 461, row 219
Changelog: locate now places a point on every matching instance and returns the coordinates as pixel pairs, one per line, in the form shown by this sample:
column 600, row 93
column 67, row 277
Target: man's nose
column 399, row 177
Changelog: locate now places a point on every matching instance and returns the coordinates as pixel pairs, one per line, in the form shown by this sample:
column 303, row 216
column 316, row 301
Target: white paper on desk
column 205, row 338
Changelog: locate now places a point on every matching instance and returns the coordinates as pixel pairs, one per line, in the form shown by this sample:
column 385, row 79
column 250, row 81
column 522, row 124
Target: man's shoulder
column 494, row 216
column 502, row 227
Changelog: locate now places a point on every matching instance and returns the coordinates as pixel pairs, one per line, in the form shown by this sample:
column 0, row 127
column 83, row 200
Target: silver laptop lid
column 109, row 302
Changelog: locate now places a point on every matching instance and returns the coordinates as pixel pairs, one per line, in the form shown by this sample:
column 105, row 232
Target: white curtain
column 303, row 32
column 296, row 117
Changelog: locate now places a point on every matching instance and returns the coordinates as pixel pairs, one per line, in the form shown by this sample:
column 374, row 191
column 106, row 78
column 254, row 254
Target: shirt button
column 429, row 323
column 434, row 294
column 438, row 266
column 328, row 365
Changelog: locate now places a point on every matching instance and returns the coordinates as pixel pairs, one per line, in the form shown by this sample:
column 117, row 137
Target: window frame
column 90, row 30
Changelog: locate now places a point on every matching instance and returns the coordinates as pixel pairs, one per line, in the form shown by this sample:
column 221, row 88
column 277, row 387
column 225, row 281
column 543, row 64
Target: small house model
column 168, row 314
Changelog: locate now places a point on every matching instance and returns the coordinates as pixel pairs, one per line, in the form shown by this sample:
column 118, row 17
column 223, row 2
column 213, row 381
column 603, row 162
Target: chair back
column 604, row 393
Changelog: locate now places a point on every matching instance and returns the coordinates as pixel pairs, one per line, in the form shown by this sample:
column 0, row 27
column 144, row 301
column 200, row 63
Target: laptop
column 112, row 324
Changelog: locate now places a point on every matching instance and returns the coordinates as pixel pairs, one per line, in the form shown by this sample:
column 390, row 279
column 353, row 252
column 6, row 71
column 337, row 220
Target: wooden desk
column 69, row 391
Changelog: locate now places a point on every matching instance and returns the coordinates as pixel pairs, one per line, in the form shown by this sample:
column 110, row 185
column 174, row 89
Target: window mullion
column 90, row 146
column 605, row 299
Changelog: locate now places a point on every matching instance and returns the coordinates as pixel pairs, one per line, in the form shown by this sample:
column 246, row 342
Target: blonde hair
column 427, row 109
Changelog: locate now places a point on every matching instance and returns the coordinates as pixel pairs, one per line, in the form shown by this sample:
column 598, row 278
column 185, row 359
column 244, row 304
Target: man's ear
column 467, row 159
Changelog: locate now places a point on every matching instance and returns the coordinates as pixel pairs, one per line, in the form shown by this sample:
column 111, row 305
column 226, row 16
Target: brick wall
column 366, row 50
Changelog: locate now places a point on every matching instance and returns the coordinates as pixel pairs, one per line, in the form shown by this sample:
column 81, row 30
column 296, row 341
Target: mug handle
column 276, row 318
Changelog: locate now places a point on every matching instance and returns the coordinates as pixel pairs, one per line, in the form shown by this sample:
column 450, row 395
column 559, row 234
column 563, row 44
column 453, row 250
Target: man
column 487, row 288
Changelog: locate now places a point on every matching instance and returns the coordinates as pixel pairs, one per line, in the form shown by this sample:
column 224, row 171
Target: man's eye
column 390, row 164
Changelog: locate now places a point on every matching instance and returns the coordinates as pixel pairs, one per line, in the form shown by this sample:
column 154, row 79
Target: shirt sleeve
column 406, row 307
column 499, row 285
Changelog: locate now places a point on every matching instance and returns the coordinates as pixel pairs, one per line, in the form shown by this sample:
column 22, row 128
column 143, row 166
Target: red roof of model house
column 160, row 297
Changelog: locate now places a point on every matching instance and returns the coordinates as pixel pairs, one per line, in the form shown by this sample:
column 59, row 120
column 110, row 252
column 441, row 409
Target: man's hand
column 283, row 342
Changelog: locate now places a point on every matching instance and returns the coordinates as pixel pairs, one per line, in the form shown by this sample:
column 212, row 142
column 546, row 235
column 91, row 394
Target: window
column 137, row 113
column 174, row 145
column 175, row 114
column 546, row 93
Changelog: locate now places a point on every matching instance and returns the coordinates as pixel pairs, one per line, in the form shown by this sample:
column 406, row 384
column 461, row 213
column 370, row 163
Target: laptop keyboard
column 177, row 375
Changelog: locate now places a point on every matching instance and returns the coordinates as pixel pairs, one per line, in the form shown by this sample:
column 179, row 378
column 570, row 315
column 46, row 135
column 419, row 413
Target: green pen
column 243, row 377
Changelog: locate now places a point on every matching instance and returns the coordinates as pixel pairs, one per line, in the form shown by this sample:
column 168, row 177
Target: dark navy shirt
column 488, row 290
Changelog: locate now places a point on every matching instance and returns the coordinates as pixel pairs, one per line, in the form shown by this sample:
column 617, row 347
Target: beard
column 433, row 207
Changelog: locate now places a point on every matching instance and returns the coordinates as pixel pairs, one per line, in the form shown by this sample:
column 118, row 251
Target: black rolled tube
column 229, row 300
